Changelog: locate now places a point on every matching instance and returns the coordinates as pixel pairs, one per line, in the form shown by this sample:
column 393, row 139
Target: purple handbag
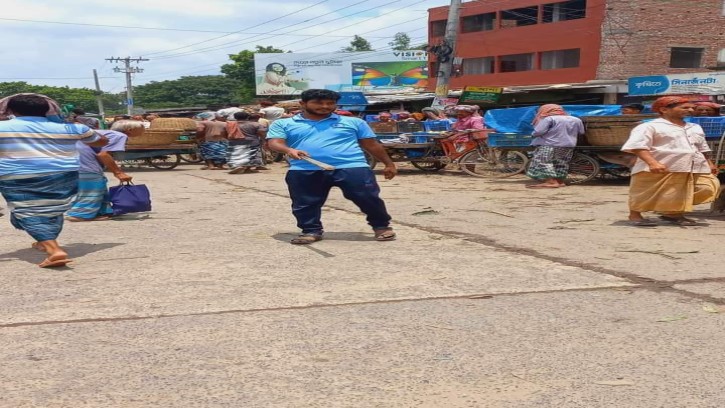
column 130, row 198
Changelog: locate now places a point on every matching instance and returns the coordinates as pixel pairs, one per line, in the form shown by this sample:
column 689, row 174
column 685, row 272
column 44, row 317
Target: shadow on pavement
column 74, row 250
column 330, row 236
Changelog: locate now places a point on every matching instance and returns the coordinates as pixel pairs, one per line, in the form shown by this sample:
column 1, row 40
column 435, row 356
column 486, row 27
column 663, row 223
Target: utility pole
column 445, row 69
column 128, row 70
column 99, row 96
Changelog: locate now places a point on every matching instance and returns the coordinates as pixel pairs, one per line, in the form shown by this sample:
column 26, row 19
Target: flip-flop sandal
column 306, row 239
column 238, row 170
column 47, row 263
column 542, row 186
column 385, row 235
column 643, row 223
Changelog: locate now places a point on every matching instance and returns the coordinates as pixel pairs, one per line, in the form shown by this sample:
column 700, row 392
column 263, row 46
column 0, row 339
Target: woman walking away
column 212, row 138
column 39, row 169
column 555, row 135
column 245, row 146
column 671, row 173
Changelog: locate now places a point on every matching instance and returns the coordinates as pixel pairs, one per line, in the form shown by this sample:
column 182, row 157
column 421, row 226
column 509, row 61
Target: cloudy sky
column 40, row 52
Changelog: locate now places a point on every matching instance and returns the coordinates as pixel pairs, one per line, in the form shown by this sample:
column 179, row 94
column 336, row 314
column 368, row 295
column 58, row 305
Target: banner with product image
column 292, row 73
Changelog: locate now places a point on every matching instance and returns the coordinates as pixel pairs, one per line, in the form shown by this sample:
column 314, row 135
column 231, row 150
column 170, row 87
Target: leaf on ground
column 671, row 319
column 425, row 212
column 615, row 383
column 711, row 308
column 480, row 297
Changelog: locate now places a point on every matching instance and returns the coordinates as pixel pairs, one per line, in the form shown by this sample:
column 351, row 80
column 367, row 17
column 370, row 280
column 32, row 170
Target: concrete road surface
column 493, row 296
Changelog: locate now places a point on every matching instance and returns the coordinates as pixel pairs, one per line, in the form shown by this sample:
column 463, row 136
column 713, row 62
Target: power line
column 245, row 41
column 49, row 78
column 239, row 31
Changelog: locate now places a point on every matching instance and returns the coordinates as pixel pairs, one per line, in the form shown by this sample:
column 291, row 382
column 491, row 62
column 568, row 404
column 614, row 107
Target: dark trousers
column 309, row 190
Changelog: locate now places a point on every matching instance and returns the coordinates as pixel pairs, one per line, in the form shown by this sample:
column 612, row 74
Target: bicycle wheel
column 194, row 157
column 582, row 168
column 166, row 162
column 431, row 166
column 496, row 163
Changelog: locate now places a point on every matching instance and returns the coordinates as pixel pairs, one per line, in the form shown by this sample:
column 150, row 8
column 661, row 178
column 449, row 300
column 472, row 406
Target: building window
column 560, row 59
column 520, row 17
column 721, row 58
column 567, row 10
column 479, row 66
column 479, row 22
column 438, row 28
column 686, row 57
column 516, row 62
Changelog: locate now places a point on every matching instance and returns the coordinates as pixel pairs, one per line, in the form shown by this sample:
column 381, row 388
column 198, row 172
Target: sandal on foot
column 384, row 234
column 306, row 239
column 48, row 263
column 643, row 223
column 238, row 170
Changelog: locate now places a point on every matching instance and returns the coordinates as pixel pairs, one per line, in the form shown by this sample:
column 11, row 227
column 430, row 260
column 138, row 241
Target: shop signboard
column 703, row 83
column 292, row 73
column 481, row 94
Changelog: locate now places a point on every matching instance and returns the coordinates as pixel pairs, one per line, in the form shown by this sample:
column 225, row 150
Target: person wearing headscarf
column 467, row 118
column 93, row 202
column 707, row 109
column 212, row 138
column 672, row 173
column 39, row 169
column 555, row 135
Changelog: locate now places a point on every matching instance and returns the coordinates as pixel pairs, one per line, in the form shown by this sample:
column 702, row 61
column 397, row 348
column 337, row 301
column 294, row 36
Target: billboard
column 292, row 73
column 705, row 83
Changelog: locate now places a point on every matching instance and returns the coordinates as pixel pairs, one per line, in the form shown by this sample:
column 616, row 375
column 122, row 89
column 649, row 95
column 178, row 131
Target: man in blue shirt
column 339, row 141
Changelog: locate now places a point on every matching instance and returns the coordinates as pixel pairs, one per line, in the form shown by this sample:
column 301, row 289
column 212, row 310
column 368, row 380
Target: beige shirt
column 679, row 148
column 211, row 131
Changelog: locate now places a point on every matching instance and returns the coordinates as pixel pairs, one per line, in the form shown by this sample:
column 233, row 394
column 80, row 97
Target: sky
column 65, row 54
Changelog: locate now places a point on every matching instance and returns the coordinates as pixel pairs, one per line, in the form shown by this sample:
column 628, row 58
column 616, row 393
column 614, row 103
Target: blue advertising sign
column 352, row 98
column 705, row 83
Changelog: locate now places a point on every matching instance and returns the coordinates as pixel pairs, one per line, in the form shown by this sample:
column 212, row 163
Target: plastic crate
column 410, row 127
column 437, row 125
column 714, row 127
column 509, row 140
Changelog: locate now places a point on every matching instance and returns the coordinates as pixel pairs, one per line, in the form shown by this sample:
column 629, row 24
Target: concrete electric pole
column 128, row 70
column 99, row 96
column 445, row 69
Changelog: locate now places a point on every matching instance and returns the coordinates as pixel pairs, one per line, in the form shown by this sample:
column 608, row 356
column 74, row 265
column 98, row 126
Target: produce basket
column 155, row 137
column 611, row 130
column 173, row 123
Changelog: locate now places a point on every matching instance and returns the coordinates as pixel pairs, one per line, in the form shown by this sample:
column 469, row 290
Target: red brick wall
column 637, row 35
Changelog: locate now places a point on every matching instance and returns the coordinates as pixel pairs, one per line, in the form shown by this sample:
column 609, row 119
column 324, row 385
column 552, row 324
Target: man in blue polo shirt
column 339, row 141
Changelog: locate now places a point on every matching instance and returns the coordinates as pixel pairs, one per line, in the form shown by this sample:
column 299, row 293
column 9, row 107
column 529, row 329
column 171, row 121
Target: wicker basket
column 174, row 123
column 611, row 130
column 155, row 137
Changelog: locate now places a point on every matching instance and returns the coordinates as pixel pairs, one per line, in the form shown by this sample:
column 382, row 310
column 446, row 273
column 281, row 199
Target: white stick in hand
column 323, row 166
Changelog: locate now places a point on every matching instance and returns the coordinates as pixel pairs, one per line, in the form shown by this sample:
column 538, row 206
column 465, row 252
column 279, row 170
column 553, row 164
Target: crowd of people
column 52, row 168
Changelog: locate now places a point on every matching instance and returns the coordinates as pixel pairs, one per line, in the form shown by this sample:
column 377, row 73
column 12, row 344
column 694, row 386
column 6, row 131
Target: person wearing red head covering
column 555, row 135
column 671, row 173
column 707, row 109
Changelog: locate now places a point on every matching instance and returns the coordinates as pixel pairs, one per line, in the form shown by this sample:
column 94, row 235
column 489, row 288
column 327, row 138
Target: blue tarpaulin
column 518, row 120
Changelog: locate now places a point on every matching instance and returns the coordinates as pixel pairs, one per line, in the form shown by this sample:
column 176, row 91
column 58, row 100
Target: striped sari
column 215, row 151
column 93, row 199
column 38, row 201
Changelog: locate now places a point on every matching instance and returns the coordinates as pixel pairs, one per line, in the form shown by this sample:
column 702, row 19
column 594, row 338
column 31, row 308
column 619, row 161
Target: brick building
column 537, row 42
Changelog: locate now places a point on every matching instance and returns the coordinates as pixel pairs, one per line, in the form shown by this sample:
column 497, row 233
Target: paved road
column 494, row 296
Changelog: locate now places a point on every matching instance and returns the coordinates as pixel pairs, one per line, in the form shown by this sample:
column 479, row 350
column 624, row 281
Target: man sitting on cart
column 93, row 202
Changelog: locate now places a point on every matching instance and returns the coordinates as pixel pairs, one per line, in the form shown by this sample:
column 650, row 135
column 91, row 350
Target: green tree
column 80, row 97
column 401, row 41
column 358, row 44
column 188, row 91
column 241, row 69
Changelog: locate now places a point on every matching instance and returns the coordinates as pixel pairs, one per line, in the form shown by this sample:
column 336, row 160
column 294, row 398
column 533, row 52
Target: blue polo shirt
column 333, row 140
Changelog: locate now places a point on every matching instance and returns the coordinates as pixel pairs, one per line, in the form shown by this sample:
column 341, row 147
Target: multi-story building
column 537, row 42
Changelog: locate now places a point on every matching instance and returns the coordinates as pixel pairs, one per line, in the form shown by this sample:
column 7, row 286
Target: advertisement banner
column 292, row 73
column 481, row 94
column 704, row 83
